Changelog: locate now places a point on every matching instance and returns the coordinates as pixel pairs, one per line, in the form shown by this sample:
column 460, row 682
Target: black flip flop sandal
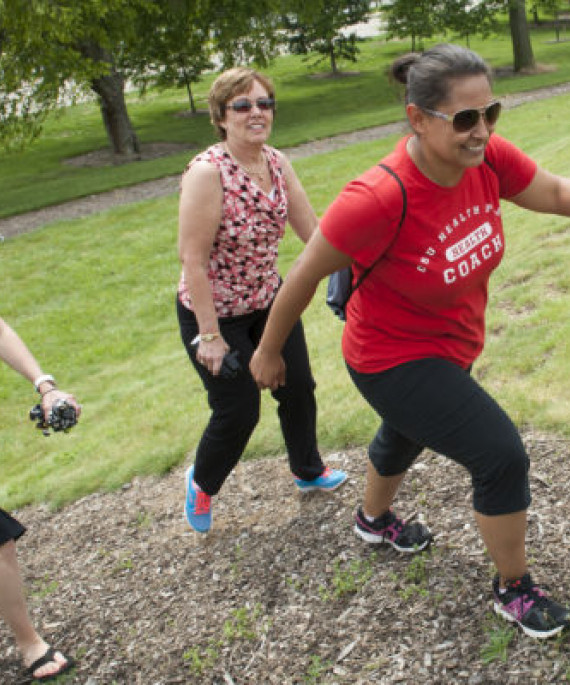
column 47, row 658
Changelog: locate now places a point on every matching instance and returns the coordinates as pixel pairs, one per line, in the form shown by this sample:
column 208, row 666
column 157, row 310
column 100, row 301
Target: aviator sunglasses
column 244, row 105
column 466, row 119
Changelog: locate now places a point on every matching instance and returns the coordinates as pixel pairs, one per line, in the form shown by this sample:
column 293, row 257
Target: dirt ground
column 282, row 592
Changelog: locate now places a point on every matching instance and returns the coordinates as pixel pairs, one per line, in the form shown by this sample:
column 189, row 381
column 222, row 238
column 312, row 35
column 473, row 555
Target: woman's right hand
column 50, row 397
column 268, row 370
column 211, row 354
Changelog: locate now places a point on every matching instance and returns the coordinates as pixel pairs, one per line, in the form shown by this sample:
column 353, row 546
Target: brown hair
column 228, row 84
column 427, row 75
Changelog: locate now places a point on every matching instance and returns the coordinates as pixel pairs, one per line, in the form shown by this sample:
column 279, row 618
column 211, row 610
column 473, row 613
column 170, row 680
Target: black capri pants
column 235, row 402
column 436, row 404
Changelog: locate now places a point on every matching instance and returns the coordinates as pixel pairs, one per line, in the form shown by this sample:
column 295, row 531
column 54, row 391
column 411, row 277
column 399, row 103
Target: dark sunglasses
column 244, row 105
column 467, row 119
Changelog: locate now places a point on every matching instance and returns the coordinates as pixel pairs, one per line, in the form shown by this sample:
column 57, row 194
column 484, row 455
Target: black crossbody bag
column 340, row 288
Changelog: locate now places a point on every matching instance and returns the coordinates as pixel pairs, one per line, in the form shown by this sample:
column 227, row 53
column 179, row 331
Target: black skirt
column 10, row 529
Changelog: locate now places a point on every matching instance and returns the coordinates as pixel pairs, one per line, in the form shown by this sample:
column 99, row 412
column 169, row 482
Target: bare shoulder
column 285, row 165
column 281, row 157
column 200, row 171
column 201, row 177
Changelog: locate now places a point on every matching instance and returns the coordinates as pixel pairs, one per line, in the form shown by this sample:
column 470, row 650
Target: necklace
column 258, row 172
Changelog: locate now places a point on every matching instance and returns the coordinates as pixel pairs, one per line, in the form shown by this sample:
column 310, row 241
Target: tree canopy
column 55, row 48
column 317, row 27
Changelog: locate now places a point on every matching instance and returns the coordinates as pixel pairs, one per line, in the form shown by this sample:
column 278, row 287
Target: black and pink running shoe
column 524, row 603
column 391, row 530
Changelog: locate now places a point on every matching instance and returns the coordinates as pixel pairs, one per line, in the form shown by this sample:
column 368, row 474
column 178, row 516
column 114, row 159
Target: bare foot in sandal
column 48, row 665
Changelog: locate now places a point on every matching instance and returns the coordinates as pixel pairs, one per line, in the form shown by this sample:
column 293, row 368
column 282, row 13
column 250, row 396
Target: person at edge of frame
column 42, row 662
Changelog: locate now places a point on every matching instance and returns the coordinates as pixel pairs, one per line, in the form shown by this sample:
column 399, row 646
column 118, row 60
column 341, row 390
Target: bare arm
column 318, row 259
column 301, row 214
column 14, row 352
column 200, row 213
column 546, row 193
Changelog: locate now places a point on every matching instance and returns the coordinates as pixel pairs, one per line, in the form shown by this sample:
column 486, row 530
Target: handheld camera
column 62, row 417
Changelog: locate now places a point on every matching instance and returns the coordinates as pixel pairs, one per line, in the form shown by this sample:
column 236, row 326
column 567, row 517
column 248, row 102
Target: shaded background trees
column 51, row 49
column 100, row 44
column 317, row 27
column 48, row 45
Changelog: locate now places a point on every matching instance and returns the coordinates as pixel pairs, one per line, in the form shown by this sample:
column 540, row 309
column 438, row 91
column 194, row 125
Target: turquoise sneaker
column 330, row 479
column 198, row 507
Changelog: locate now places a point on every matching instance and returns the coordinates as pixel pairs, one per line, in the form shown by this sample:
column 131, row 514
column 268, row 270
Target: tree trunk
column 110, row 87
column 520, row 36
column 111, row 92
column 190, row 95
column 333, row 60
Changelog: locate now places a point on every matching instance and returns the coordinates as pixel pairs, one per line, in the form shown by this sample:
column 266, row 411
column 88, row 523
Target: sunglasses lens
column 465, row 120
column 266, row 103
column 469, row 118
column 241, row 106
column 492, row 113
column 245, row 105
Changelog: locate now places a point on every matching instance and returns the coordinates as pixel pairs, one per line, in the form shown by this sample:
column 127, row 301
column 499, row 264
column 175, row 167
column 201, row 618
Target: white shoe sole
column 540, row 634
column 379, row 540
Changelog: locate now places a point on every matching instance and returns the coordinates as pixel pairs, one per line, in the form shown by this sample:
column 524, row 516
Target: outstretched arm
column 318, row 259
column 546, row 193
column 15, row 353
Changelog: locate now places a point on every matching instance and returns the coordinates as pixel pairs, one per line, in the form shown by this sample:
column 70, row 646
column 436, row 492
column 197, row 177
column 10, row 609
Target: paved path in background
column 23, row 223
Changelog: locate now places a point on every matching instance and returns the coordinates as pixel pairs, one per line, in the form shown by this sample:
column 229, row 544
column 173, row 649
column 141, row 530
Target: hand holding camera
column 62, row 417
column 230, row 366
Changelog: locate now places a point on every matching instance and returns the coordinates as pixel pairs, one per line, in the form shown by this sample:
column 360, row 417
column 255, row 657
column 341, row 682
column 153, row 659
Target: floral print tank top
column 243, row 262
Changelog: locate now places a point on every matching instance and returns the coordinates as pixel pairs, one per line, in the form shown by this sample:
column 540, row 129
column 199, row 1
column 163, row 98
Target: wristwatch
column 208, row 337
column 205, row 337
column 46, row 378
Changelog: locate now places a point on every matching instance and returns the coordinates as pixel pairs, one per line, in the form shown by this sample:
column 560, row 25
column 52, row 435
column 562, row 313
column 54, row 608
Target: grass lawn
column 310, row 106
column 94, row 299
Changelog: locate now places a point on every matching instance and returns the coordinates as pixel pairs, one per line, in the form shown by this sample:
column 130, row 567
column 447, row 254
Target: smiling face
column 251, row 127
column 443, row 152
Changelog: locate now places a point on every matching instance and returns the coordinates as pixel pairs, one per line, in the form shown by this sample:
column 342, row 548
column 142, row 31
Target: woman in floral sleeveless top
column 236, row 199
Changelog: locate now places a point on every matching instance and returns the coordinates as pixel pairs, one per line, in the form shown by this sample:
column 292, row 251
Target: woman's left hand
column 52, row 396
column 268, row 370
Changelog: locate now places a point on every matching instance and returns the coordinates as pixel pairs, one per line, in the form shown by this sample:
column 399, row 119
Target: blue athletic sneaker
column 330, row 479
column 198, row 507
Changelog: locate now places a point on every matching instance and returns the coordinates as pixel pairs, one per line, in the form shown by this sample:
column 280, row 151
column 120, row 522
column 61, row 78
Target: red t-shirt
column 426, row 297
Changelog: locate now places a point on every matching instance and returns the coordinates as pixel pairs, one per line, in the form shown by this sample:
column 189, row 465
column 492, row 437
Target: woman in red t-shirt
column 416, row 323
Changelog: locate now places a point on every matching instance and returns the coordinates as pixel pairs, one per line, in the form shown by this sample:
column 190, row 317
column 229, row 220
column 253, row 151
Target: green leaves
column 319, row 27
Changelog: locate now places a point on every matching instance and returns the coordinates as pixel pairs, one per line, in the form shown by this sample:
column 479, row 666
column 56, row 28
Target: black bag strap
column 366, row 271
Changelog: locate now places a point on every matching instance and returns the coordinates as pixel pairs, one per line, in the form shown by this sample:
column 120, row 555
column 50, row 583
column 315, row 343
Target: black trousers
column 436, row 404
column 235, row 402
